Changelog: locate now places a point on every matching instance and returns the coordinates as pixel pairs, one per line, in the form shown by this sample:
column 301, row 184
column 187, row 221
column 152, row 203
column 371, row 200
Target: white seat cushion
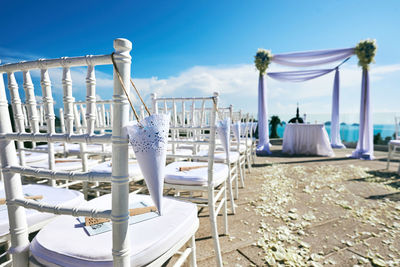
column 181, row 151
column 242, row 148
column 51, row 195
column 394, row 142
column 134, row 170
column 180, row 146
column 195, row 176
column 64, row 242
column 64, row 164
column 220, row 156
column 249, row 142
column 58, row 147
column 76, row 148
column 35, row 157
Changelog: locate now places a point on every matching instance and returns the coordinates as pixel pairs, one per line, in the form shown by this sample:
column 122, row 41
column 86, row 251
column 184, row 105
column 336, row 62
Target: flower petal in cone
column 149, row 142
column 224, row 130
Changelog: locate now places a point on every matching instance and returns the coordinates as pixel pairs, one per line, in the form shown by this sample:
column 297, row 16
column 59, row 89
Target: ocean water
column 349, row 132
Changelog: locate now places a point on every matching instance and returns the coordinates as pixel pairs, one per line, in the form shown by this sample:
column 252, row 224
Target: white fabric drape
column 263, row 130
column 305, row 75
column 298, row 76
column 365, row 144
column 335, row 123
column 312, row 58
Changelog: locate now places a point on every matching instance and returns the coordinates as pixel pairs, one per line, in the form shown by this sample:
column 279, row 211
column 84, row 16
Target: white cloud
column 11, row 56
column 238, row 85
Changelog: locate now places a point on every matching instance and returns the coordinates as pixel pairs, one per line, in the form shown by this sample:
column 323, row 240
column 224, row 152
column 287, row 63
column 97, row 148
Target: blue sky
column 197, row 47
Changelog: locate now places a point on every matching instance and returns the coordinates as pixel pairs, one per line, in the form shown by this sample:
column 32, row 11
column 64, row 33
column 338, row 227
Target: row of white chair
column 63, row 242
column 97, row 128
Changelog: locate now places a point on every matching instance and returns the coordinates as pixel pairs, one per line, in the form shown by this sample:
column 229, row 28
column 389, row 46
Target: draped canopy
column 313, row 58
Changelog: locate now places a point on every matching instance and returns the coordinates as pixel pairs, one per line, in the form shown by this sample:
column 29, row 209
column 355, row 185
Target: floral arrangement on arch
column 262, row 59
column 366, row 51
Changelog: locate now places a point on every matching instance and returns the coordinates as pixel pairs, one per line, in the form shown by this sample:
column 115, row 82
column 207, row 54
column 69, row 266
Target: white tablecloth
column 306, row 139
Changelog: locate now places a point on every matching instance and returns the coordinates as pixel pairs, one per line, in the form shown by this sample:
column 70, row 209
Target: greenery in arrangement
column 366, row 51
column 262, row 59
column 274, row 122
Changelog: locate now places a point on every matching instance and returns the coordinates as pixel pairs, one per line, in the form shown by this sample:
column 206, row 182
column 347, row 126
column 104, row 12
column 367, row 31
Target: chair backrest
column 184, row 129
column 103, row 113
column 11, row 170
column 397, row 127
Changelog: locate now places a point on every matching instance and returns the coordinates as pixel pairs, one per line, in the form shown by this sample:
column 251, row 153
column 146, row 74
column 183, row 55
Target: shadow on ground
column 302, row 159
column 392, row 197
column 385, row 177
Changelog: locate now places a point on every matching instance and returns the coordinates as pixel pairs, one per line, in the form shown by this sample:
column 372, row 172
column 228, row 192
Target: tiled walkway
column 312, row 211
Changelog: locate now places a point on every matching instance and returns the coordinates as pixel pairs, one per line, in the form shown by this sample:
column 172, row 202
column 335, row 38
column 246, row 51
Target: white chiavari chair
column 252, row 130
column 226, row 154
column 203, row 183
column 178, row 118
column 238, row 145
column 34, row 219
column 394, row 145
column 103, row 123
column 64, row 242
column 41, row 118
column 245, row 136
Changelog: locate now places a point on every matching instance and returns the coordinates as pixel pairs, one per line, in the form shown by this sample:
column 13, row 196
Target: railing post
column 17, row 218
column 120, row 176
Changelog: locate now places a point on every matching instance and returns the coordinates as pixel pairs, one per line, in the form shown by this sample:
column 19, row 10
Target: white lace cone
column 236, row 131
column 224, row 130
column 149, row 142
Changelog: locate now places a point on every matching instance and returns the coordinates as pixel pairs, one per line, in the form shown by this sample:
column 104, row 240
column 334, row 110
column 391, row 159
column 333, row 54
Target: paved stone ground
column 311, row 211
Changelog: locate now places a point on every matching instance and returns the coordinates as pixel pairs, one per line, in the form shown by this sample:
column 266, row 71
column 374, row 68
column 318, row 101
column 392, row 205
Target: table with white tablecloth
column 306, row 139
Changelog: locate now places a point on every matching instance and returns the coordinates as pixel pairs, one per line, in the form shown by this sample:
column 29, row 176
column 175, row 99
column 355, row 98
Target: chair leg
column 214, row 229
column 241, row 167
column 247, row 160
column 237, row 179
column 389, row 155
column 193, row 254
column 97, row 193
column 230, row 189
column 85, row 189
column 225, row 215
column 253, row 153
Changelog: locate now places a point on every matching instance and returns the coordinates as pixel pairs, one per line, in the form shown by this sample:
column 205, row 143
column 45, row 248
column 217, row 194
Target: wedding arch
column 365, row 51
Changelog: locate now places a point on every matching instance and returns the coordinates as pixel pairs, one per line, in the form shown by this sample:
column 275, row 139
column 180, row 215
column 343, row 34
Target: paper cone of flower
column 236, row 131
column 149, row 141
column 224, row 130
